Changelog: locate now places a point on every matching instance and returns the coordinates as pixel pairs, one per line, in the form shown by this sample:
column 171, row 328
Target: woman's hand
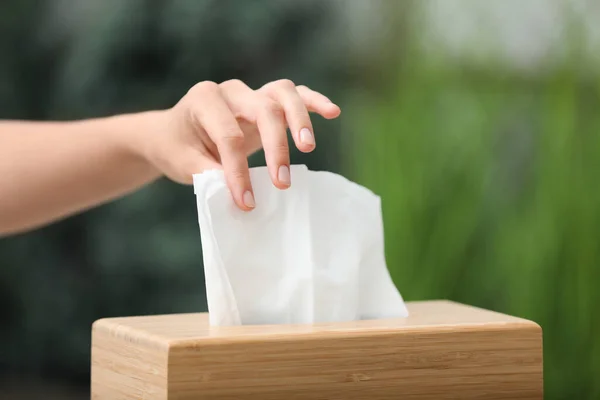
column 50, row 170
column 217, row 126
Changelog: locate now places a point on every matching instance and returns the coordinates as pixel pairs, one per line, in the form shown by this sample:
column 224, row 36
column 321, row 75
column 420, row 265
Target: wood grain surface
column 443, row 350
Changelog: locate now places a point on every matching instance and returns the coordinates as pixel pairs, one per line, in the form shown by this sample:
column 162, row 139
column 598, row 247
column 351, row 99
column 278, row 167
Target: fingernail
column 306, row 136
column 283, row 175
column 248, row 199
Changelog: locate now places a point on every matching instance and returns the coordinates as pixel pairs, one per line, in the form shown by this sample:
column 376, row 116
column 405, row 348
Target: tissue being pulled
column 311, row 253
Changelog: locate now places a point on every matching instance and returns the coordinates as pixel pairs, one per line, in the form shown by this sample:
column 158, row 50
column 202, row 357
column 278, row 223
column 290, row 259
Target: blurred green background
column 478, row 123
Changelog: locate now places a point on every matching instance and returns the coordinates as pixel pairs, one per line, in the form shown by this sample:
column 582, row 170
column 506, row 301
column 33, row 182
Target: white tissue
column 311, row 253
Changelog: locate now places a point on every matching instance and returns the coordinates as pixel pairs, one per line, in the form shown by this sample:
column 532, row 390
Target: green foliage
column 490, row 193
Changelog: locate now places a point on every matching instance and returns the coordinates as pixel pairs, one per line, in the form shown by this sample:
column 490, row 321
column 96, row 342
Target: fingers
column 284, row 92
column 316, row 102
column 269, row 117
column 213, row 114
column 216, row 110
column 297, row 102
column 273, row 133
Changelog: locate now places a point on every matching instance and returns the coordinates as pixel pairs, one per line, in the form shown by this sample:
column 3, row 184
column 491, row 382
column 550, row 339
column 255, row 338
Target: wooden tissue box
column 443, row 350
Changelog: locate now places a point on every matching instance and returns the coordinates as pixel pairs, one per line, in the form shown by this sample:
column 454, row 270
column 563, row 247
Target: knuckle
column 274, row 86
column 302, row 117
column 204, row 87
column 280, row 150
column 272, row 107
column 301, row 87
column 286, row 83
column 232, row 139
column 233, row 83
column 237, row 174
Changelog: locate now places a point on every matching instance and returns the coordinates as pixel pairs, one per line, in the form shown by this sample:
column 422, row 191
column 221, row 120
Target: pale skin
column 51, row 170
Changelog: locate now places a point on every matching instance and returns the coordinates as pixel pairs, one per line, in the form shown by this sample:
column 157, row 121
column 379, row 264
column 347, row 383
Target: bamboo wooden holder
column 443, row 350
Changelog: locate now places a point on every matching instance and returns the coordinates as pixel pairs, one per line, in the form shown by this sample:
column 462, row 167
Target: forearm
column 50, row 170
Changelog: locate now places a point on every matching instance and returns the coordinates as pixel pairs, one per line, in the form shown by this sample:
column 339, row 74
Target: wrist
column 138, row 134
